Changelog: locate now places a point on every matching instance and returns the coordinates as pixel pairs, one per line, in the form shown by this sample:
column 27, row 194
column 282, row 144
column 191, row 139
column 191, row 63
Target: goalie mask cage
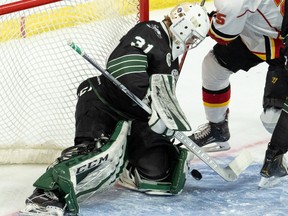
column 40, row 73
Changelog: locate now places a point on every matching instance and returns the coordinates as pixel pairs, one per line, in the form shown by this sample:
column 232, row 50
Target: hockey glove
column 157, row 125
column 276, row 87
column 167, row 115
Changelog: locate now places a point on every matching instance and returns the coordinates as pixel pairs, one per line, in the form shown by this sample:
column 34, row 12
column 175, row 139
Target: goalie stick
column 229, row 173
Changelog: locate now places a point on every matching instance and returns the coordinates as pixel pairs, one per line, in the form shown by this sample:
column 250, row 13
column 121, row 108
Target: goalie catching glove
column 167, row 116
column 157, row 125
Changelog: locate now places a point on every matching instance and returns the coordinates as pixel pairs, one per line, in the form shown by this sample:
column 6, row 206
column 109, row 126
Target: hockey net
column 40, row 73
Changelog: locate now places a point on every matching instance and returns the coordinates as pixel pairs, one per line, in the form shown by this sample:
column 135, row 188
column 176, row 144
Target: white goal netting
column 40, row 73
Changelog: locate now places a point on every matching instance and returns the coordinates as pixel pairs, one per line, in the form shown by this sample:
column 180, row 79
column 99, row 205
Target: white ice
column 211, row 195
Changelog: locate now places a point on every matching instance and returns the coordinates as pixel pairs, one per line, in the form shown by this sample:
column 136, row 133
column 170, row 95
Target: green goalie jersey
column 145, row 50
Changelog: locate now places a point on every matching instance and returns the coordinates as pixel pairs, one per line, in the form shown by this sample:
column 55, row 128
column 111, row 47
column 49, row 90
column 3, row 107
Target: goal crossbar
column 22, row 5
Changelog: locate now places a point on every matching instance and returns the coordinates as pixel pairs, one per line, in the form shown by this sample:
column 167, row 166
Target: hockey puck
column 196, row 174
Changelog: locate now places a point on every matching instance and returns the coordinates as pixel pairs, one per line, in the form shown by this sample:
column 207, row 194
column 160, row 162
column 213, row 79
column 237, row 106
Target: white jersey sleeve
column 257, row 22
column 230, row 19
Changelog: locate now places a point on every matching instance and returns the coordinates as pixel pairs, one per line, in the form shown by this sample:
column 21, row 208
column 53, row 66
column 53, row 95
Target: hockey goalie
column 115, row 138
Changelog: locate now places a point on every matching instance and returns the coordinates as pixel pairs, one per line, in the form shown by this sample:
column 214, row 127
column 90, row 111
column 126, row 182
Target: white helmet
column 190, row 25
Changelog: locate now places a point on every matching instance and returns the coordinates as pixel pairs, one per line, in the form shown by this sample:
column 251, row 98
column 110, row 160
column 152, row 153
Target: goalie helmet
column 190, row 25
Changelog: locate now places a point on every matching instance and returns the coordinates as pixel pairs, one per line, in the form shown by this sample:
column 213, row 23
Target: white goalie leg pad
column 104, row 168
column 270, row 118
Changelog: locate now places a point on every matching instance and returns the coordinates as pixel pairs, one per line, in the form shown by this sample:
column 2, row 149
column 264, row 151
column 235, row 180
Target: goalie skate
column 43, row 203
column 172, row 184
column 131, row 180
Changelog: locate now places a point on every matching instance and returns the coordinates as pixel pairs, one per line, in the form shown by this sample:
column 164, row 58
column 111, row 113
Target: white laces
column 203, row 131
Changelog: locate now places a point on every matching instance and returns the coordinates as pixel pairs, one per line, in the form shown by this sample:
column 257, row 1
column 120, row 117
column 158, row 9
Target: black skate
column 43, row 203
column 216, row 134
column 273, row 169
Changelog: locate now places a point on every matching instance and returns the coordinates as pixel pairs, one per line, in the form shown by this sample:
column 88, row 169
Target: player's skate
column 214, row 135
column 273, row 169
column 43, row 203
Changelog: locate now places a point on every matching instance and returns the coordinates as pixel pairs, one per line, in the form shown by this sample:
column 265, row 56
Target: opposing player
column 274, row 165
column 247, row 33
column 113, row 134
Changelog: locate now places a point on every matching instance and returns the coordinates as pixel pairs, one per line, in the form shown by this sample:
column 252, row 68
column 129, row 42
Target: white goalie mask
column 190, row 25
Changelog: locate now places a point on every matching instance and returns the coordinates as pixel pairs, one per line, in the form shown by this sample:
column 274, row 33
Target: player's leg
column 217, row 67
column 93, row 119
column 274, row 165
column 275, row 93
column 277, row 147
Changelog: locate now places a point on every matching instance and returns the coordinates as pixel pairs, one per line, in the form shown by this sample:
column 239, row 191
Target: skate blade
column 216, row 147
column 269, row 182
column 23, row 213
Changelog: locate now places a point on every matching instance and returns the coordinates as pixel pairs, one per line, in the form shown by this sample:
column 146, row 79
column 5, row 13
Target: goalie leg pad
column 179, row 175
column 88, row 173
column 131, row 179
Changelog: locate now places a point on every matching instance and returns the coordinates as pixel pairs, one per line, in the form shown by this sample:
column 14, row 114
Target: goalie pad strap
column 176, row 184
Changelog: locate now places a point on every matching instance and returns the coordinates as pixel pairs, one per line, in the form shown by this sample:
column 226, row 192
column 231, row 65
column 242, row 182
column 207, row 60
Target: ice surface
column 208, row 197
column 211, row 195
